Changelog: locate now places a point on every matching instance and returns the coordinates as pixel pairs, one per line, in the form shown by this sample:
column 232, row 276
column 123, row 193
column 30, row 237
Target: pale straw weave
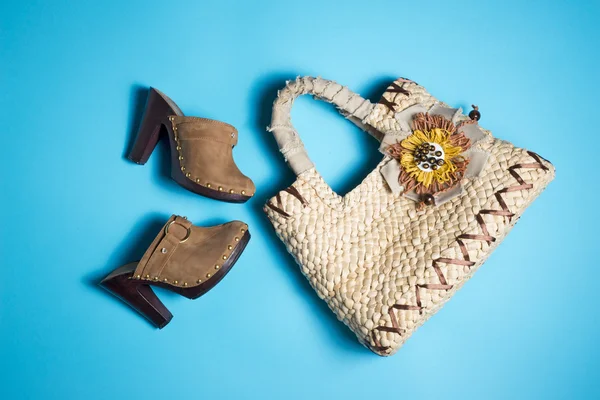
column 381, row 265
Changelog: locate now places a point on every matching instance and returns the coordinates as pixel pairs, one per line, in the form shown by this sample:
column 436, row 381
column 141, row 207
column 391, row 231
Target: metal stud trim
column 217, row 267
column 181, row 159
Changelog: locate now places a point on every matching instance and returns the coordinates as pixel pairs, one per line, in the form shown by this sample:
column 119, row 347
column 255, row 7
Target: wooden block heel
column 137, row 294
column 153, row 124
column 201, row 150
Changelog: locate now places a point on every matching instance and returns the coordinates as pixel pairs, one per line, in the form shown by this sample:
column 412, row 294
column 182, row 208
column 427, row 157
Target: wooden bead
column 475, row 114
column 428, row 200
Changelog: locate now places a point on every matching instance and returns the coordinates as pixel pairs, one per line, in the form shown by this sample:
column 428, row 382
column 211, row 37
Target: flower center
column 429, row 156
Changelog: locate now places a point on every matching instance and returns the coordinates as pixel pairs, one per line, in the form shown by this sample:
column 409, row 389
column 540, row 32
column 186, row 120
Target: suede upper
column 206, row 148
column 185, row 255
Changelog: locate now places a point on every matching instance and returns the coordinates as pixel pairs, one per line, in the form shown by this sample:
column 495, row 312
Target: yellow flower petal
column 445, row 173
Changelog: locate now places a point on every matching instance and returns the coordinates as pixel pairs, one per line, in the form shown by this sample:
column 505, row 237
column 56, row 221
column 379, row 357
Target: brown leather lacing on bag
column 393, row 88
column 277, row 208
column 294, row 192
column 466, row 260
column 388, row 104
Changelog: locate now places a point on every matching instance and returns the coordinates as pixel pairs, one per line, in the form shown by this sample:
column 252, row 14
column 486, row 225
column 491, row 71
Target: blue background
column 73, row 79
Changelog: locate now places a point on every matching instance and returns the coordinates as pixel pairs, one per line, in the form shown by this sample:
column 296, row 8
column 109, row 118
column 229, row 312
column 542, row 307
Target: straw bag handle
column 350, row 104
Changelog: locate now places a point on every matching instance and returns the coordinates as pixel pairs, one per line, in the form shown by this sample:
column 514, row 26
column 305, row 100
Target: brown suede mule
column 186, row 259
column 201, row 150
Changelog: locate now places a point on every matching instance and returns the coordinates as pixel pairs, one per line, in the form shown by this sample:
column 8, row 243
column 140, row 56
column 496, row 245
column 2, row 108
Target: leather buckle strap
column 176, row 231
column 187, row 228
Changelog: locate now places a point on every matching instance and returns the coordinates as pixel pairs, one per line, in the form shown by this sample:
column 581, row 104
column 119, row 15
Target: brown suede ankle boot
column 186, row 259
column 201, row 150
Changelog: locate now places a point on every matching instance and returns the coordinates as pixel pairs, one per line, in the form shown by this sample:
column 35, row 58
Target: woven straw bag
column 387, row 255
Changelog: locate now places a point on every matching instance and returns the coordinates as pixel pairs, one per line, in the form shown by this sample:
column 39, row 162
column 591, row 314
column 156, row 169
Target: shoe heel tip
column 165, row 323
column 137, row 161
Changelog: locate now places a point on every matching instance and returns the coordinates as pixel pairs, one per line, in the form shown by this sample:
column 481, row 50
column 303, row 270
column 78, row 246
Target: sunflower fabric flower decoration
column 431, row 157
column 433, row 153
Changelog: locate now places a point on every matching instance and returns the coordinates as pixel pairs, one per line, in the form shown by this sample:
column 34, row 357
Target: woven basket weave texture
column 380, row 264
